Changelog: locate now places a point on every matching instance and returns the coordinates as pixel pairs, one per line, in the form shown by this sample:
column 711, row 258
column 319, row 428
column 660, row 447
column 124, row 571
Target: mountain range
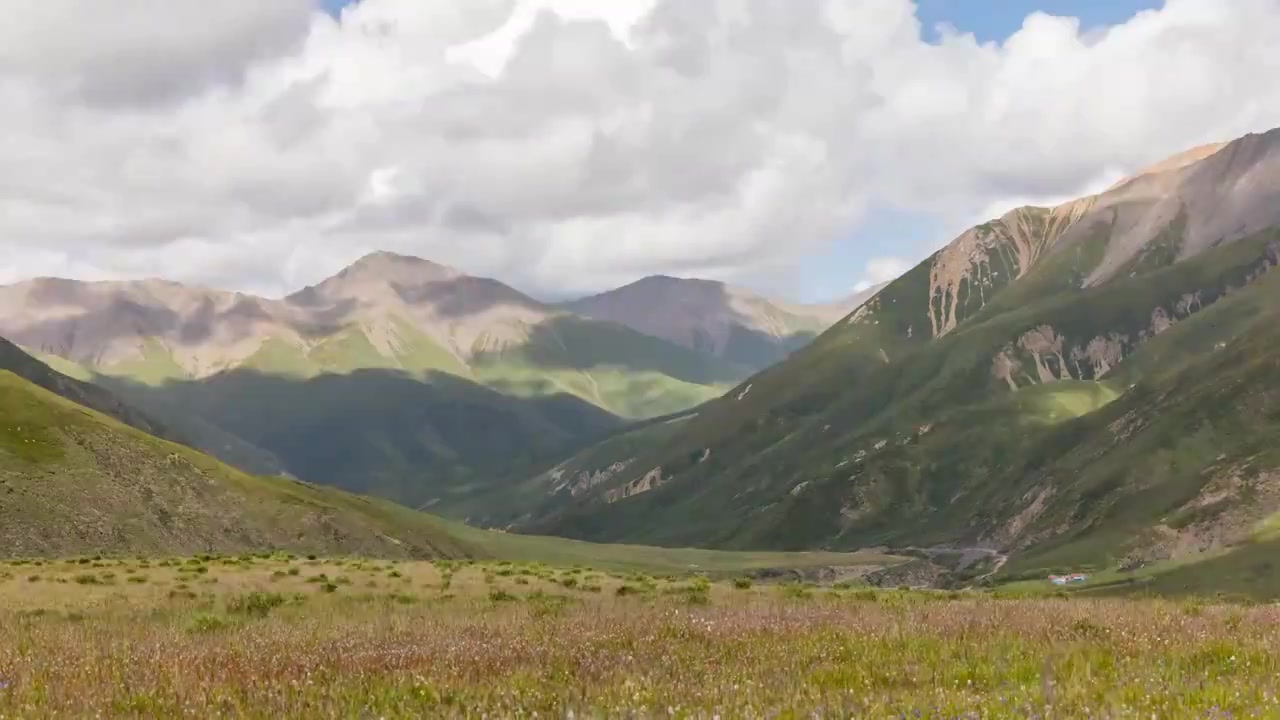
column 399, row 376
column 1090, row 385
column 1086, row 385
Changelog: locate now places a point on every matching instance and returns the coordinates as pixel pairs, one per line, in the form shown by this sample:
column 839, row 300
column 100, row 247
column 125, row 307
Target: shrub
column 258, row 604
column 207, row 623
column 797, row 592
column 742, row 583
column 499, row 595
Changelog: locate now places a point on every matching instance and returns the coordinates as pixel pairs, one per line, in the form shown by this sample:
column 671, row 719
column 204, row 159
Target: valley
column 684, row 359
column 1082, row 387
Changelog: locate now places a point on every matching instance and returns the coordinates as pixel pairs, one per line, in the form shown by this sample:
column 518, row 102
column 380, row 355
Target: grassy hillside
column 531, row 500
column 74, row 480
column 77, row 388
column 1072, row 426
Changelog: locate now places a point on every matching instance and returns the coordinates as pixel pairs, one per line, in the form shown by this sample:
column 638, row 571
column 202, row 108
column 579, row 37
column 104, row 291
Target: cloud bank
column 565, row 147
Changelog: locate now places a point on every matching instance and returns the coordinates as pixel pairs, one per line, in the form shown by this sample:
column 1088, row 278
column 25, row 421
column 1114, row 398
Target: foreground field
column 278, row 637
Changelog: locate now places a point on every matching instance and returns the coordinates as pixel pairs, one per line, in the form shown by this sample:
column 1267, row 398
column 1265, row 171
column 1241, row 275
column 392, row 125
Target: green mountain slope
column 79, row 390
column 73, row 480
column 990, row 396
column 76, row 481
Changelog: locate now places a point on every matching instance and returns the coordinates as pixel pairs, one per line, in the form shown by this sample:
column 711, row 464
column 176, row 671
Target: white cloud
column 142, row 50
column 882, row 270
column 568, row 145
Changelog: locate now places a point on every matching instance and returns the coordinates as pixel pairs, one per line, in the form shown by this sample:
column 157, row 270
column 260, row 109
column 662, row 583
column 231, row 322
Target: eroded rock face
column 973, row 263
column 1036, row 501
column 1188, row 303
column 651, row 480
column 1045, row 342
column 1160, row 321
column 1101, row 353
column 1004, row 366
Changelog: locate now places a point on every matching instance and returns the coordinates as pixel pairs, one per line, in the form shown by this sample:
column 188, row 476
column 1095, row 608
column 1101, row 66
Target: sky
column 803, row 148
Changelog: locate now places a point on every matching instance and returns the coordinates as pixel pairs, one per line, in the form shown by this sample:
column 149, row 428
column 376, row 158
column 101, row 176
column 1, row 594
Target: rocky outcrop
column 913, row 574
column 1101, row 353
column 1004, row 366
column 1044, row 343
column 651, row 480
column 585, row 480
column 991, row 256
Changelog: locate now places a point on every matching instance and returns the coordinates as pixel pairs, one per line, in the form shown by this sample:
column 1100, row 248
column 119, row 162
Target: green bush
column 258, row 604
column 207, row 623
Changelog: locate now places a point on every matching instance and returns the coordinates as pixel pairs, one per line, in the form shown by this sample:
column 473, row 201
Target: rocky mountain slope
column 386, row 311
column 1089, row 383
column 740, row 326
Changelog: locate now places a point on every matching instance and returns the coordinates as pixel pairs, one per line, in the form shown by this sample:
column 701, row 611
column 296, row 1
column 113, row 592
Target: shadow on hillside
column 409, row 438
column 576, row 343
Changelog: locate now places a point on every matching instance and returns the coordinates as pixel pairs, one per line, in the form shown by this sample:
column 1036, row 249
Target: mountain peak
column 1175, row 162
column 662, row 282
column 383, row 261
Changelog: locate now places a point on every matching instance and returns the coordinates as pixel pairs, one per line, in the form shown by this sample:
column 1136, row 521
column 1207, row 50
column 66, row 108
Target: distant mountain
column 396, row 376
column 74, row 480
column 1089, row 385
column 739, row 326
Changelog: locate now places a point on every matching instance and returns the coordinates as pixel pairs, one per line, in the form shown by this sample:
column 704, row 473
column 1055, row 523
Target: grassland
column 276, row 636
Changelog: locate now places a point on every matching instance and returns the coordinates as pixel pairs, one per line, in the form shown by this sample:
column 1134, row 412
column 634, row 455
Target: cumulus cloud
column 881, row 270
column 142, row 50
column 567, row 145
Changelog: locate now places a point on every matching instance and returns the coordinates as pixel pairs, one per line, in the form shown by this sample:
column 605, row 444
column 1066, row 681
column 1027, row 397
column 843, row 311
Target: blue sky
column 995, row 20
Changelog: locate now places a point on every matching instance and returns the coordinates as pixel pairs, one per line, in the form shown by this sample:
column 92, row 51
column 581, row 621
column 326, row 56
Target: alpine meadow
column 652, row 358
